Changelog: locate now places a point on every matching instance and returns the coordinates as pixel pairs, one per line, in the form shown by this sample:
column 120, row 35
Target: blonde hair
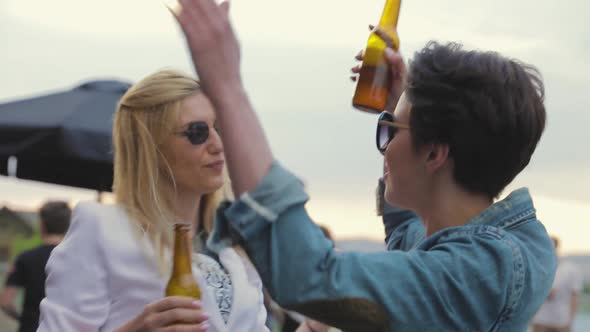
column 143, row 180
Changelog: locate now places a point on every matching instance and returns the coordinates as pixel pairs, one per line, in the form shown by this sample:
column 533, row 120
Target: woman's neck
column 187, row 209
column 452, row 207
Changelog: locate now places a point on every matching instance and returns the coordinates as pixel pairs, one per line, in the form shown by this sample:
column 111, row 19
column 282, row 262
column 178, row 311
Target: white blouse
column 99, row 278
column 218, row 282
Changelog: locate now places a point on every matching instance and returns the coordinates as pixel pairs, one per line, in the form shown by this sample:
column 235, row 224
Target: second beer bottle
column 182, row 282
column 374, row 80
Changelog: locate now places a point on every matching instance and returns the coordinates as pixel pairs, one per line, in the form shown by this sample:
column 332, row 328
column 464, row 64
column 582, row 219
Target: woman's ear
column 437, row 156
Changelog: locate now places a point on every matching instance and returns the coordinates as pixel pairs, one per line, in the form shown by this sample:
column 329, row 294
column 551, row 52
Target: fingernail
column 205, row 327
column 197, row 303
column 389, row 51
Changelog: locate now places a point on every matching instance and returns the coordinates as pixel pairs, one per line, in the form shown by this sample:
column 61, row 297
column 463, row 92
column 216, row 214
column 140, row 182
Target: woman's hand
column 170, row 314
column 213, row 45
column 397, row 68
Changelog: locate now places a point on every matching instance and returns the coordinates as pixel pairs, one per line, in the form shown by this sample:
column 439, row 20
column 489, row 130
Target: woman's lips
column 218, row 165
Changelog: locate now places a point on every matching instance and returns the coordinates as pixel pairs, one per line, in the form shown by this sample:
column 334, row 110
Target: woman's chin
column 214, row 185
column 206, row 187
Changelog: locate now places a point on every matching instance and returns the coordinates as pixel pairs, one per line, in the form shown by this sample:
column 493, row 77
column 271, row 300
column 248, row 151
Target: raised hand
column 397, row 68
column 212, row 43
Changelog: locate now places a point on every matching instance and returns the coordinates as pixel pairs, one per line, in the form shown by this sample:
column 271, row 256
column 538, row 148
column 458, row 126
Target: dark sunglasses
column 196, row 132
column 387, row 127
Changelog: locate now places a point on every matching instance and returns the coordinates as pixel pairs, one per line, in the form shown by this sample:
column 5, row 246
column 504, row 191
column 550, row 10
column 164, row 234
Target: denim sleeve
column 403, row 228
column 436, row 290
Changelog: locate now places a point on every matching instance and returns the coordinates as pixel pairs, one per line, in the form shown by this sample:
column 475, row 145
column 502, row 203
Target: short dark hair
column 487, row 108
column 55, row 216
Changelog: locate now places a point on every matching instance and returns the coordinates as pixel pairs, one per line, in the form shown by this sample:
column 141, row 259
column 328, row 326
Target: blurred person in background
column 558, row 312
column 28, row 271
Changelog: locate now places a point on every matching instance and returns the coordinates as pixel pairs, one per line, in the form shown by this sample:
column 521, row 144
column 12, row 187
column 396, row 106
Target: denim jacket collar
column 513, row 209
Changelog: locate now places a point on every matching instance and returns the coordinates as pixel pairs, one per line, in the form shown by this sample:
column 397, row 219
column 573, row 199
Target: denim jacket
column 491, row 274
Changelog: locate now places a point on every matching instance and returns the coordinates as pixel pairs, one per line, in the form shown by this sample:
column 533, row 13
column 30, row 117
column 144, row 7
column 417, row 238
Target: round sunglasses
column 387, row 127
column 197, row 132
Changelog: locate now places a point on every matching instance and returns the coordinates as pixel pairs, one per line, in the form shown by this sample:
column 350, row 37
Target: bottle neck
column 390, row 13
column 182, row 250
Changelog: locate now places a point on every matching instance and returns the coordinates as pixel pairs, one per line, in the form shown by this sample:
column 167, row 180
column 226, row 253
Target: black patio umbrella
column 63, row 138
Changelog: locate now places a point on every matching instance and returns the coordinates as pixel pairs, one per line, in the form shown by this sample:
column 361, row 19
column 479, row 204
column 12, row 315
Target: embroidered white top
column 99, row 278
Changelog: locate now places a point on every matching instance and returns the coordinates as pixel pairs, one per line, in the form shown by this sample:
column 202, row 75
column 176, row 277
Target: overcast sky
column 296, row 56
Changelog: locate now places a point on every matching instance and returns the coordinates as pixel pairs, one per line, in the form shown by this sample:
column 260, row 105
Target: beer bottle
column 374, row 80
column 181, row 281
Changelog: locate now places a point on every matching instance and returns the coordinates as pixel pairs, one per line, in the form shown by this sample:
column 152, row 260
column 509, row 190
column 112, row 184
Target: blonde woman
column 110, row 272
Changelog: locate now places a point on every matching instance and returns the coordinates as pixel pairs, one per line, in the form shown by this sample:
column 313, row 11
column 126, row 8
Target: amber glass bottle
column 181, row 281
column 374, row 80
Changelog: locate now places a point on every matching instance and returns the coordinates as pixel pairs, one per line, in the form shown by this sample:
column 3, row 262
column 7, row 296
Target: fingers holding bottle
column 357, row 68
column 174, row 313
column 395, row 68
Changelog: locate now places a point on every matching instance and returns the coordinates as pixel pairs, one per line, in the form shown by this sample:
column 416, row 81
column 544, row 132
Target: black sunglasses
column 196, row 132
column 387, row 127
